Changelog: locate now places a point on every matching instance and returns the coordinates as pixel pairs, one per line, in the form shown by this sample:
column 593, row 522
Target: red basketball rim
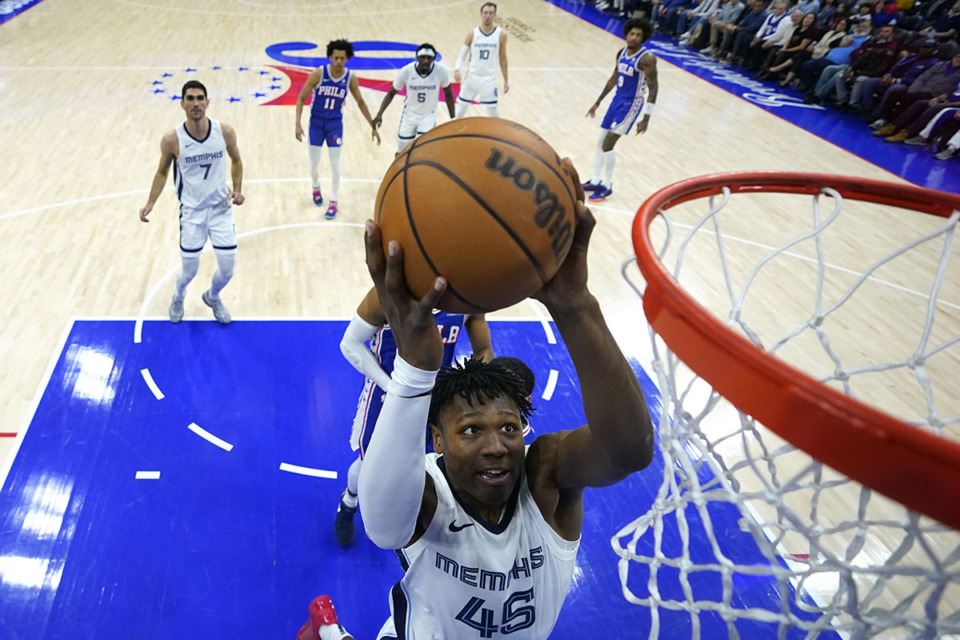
column 914, row 467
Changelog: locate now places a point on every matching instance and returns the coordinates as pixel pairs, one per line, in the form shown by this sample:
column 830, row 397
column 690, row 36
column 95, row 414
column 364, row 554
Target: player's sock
column 315, row 151
column 461, row 108
column 492, row 110
column 353, row 484
column 609, row 159
column 334, row 172
column 189, row 265
column 598, row 159
column 226, row 260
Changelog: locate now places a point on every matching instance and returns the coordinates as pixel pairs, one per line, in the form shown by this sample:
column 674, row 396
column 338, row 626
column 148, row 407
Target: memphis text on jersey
column 203, row 157
column 481, row 578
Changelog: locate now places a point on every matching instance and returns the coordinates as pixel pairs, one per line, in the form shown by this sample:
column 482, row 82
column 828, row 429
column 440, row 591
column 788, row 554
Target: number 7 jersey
column 467, row 578
column 200, row 171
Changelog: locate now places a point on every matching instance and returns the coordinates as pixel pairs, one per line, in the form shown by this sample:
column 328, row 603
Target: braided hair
column 475, row 382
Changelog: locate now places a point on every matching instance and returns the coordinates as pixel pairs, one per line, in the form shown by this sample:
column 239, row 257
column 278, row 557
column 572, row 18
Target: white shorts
column 413, row 125
column 482, row 89
column 197, row 224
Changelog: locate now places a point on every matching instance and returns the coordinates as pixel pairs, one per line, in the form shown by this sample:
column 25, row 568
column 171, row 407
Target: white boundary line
column 150, row 383
column 307, row 471
column 147, row 475
column 209, row 437
column 551, row 385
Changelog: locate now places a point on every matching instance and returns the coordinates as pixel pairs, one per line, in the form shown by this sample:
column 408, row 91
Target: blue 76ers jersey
column 630, row 79
column 384, row 347
column 329, row 95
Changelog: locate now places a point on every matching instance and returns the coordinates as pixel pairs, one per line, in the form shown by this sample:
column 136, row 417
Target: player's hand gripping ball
column 484, row 202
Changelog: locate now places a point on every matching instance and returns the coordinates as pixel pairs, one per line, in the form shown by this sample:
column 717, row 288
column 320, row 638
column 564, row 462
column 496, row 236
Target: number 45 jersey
column 468, row 578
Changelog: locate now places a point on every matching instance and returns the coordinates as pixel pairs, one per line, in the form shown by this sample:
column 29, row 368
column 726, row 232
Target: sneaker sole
column 207, row 302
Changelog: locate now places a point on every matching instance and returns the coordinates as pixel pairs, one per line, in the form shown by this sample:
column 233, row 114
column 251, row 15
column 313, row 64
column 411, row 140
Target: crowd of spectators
column 896, row 63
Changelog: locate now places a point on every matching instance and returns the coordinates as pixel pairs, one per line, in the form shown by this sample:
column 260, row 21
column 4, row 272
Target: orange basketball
column 483, row 202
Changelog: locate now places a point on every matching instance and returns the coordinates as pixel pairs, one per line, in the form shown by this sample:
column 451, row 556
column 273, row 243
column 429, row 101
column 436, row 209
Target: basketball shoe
column 219, row 309
column 317, row 197
column 600, row 193
column 589, row 186
column 322, row 614
column 343, row 526
column 331, row 210
column 176, row 310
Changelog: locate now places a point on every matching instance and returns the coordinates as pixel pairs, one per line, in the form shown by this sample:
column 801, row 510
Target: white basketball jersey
column 423, row 92
column 485, row 53
column 467, row 578
column 200, row 172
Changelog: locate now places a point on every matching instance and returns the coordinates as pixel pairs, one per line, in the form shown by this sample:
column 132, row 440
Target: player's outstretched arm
column 236, row 164
column 387, row 99
column 168, row 153
column 618, row 437
column 462, row 58
column 479, row 333
column 364, row 325
column 312, row 81
column 648, row 64
column 397, row 496
column 355, row 92
column 607, row 88
column 503, row 62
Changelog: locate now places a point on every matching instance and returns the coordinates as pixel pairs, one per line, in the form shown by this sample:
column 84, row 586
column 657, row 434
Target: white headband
column 427, row 52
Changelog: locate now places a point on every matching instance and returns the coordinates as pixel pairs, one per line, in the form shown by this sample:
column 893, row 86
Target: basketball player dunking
column 488, row 529
column 635, row 71
column 196, row 150
column 422, row 80
column 376, row 362
column 487, row 47
column 329, row 85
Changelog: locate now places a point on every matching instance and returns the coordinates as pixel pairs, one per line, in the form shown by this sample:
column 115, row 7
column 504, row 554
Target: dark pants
column 810, row 71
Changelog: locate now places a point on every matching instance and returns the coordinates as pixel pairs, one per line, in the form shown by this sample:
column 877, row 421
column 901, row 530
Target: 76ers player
column 329, row 85
column 635, row 71
column 370, row 324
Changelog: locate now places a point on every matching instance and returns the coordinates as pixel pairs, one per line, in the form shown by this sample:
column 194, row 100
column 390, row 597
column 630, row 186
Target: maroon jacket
column 873, row 58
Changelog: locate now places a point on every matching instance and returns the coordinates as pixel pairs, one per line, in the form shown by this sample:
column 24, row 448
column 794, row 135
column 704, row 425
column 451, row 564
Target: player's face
column 634, row 39
column 423, row 64
column 482, row 446
column 195, row 104
column 337, row 60
column 487, row 14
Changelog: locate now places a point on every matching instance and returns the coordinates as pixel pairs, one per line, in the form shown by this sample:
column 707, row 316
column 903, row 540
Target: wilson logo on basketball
column 550, row 214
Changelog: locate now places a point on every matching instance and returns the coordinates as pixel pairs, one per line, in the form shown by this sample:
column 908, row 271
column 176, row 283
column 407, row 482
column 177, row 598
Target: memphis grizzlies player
column 488, row 528
column 422, row 80
column 634, row 75
column 198, row 150
column 487, row 47
column 376, row 362
column 329, row 85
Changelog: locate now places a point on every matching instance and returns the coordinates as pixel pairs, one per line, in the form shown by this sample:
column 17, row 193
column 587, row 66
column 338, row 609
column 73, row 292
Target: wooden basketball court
column 88, row 88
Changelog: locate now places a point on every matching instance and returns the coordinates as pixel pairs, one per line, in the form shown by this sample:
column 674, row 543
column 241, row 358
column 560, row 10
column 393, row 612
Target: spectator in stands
column 803, row 37
column 828, row 41
column 775, row 31
column 944, row 27
column 939, row 79
column 866, row 91
column 872, row 59
column 835, row 61
column 914, row 119
column 738, row 37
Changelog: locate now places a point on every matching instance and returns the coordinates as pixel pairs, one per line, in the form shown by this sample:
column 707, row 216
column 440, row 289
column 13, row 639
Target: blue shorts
column 621, row 116
column 329, row 130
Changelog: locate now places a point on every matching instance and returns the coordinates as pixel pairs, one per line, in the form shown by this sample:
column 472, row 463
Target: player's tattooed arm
column 648, row 64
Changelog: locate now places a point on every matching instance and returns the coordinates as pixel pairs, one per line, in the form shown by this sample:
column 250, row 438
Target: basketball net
column 811, row 552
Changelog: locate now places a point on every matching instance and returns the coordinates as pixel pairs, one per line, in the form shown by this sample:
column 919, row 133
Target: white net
column 749, row 537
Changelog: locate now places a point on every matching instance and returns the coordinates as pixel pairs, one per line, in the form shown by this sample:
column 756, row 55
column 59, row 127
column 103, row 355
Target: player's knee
column 226, row 260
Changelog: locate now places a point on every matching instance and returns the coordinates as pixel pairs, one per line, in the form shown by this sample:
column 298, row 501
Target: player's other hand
column 642, row 125
column 411, row 320
column 592, row 111
column 567, row 289
column 236, row 198
column 506, row 87
column 457, row 77
column 145, row 212
column 299, row 133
